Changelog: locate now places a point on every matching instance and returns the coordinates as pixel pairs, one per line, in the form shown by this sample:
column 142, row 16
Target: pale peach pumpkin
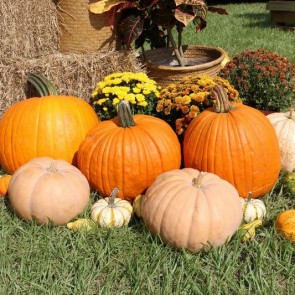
column 48, row 190
column 191, row 209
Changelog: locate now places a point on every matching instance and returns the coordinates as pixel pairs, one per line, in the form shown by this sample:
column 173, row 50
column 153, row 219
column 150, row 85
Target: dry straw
column 28, row 28
column 29, row 43
column 73, row 74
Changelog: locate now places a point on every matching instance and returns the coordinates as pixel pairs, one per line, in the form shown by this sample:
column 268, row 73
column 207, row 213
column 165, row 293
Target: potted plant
column 264, row 79
column 136, row 22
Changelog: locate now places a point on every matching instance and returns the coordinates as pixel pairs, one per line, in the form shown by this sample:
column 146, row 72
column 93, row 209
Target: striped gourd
column 253, row 209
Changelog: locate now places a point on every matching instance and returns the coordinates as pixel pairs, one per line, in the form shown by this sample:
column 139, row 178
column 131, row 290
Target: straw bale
column 28, row 28
column 73, row 74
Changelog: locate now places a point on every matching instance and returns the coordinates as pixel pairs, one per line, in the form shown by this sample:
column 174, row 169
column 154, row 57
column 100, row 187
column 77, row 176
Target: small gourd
column 289, row 182
column 137, row 206
column 81, row 224
column 285, row 224
column 4, row 183
column 253, row 209
column 248, row 230
column 111, row 212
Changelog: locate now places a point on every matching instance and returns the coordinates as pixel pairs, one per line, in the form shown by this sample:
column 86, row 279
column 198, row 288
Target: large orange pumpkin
column 52, row 126
column 237, row 143
column 128, row 153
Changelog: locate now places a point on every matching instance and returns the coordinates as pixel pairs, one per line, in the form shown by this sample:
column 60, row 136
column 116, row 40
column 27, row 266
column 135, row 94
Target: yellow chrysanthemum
column 140, row 97
column 136, row 90
column 101, row 101
column 142, row 103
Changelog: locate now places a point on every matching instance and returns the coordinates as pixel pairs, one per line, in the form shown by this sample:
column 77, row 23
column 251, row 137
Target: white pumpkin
column 111, row 212
column 253, row 209
column 284, row 125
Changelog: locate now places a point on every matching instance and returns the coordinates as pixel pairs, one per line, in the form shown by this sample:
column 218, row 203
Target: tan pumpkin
column 191, row 209
column 48, row 190
column 4, row 183
column 284, row 125
column 285, row 224
column 111, row 212
column 253, row 209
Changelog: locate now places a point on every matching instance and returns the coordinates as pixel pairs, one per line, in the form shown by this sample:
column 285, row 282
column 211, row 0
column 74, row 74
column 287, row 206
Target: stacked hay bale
column 30, row 43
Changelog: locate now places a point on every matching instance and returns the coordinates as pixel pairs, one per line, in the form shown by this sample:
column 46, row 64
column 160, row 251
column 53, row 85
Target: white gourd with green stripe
column 111, row 212
column 253, row 209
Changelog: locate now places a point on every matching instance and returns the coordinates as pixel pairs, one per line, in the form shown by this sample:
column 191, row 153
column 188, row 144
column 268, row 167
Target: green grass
column 54, row 260
column 248, row 26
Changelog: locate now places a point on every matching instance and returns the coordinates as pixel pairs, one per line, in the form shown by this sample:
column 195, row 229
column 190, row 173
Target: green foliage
column 264, row 79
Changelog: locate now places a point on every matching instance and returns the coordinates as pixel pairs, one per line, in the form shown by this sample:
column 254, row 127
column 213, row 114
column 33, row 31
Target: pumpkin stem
column 124, row 114
column 222, row 103
column 197, row 180
column 42, row 85
column 52, row 168
column 112, row 197
column 250, row 196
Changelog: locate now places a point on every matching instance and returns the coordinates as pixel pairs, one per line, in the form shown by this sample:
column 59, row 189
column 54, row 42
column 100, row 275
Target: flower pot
column 162, row 65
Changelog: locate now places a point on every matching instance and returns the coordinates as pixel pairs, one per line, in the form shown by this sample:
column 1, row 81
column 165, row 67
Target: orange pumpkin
column 52, row 126
column 128, row 153
column 4, row 182
column 285, row 224
column 237, row 143
column 48, row 190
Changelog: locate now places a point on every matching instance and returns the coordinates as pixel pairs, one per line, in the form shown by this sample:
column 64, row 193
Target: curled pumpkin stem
column 222, row 103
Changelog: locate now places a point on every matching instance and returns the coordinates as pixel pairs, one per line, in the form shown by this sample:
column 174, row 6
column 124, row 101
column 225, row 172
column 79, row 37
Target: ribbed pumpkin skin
column 285, row 130
column 4, row 183
column 51, row 126
column 42, row 195
column 239, row 146
column 128, row 158
column 191, row 217
column 285, row 224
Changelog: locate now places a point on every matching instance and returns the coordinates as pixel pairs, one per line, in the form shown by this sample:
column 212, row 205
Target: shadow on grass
column 254, row 20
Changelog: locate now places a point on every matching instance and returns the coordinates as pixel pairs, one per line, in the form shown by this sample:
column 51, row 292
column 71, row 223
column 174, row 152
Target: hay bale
column 73, row 74
column 28, row 28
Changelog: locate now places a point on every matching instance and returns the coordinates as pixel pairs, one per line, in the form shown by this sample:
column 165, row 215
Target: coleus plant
column 152, row 21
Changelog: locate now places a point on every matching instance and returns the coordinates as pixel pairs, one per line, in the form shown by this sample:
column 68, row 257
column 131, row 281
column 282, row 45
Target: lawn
column 53, row 260
column 247, row 26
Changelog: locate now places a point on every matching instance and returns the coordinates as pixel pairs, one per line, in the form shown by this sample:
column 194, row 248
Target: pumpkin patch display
column 4, row 183
column 253, row 209
column 191, row 209
column 284, row 125
column 49, row 126
column 285, row 224
column 128, row 152
column 237, row 143
column 46, row 190
column 111, row 212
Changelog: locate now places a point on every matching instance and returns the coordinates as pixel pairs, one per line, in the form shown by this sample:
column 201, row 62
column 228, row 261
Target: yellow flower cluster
column 137, row 88
column 180, row 103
